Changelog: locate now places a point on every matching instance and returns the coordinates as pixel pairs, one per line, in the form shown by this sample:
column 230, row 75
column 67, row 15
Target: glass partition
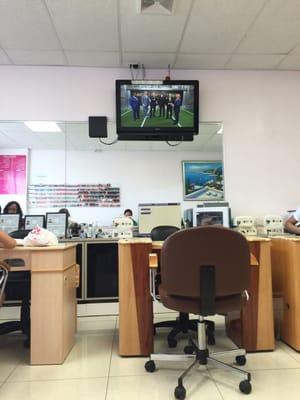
column 68, row 169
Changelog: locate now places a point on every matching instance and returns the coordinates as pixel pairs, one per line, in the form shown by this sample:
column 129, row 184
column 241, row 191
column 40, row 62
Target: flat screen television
column 157, row 110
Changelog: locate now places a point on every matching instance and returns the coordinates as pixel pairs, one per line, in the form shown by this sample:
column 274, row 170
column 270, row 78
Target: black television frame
column 157, row 133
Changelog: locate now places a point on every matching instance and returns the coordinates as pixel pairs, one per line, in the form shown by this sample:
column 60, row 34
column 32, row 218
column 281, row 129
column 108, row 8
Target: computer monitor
column 57, row 223
column 31, row 221
column 152, row 215
column 10, row 222
column 211, row 216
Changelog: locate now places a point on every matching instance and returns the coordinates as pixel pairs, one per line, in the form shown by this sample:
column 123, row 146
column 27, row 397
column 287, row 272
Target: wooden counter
column 135, row 301
column 286, row 285
column 253, row 329
column 53, row 300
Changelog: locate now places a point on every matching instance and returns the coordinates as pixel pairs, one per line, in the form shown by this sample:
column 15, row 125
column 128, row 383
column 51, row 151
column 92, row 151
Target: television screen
column 157, row 110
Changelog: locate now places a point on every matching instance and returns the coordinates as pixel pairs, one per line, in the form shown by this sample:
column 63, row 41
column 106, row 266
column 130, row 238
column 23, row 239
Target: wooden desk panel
column 53, row 301
column 286, row 284
column 135, row 302
column 253, row 329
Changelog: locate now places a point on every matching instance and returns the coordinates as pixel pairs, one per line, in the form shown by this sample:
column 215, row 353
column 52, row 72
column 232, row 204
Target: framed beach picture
column 203, row 180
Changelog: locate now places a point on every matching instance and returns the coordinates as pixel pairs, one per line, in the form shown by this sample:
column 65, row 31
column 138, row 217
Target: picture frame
column 203, row 180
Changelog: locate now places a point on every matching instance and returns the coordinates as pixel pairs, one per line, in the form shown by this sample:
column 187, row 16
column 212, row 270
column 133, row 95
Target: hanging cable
column 108, row 144
column 173, row 145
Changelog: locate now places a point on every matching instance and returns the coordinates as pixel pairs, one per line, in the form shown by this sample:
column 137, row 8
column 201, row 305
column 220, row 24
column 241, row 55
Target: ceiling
column 198, row 34
column 75, row 136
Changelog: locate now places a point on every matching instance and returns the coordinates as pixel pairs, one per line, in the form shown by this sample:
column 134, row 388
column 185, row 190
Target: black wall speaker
column 98, row 127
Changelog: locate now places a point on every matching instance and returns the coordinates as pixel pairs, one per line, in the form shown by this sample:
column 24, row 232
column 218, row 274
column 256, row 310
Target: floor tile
column 89, row 358
column 293, row 353
column 96, row 325
column 275, row 384
column 161, row 385
column 125, row 366
column 12, row 351
column 77, row 389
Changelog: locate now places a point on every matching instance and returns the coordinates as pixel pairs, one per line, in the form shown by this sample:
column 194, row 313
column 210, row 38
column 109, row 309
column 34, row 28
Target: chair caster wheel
column 241, row 360
column 172, row 343
column 150, row 366
column 188, row 349
column 180, row 392
column 245, row 387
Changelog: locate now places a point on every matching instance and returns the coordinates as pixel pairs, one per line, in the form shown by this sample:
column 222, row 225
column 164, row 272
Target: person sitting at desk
column 128, row 213
column 66, row 211
column 13, row 207
column 292, row 224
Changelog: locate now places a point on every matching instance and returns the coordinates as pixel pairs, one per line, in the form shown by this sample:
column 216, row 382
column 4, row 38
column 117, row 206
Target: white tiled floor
column 93, row 370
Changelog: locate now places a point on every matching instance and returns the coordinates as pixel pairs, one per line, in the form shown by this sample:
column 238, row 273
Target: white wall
column 259, row 109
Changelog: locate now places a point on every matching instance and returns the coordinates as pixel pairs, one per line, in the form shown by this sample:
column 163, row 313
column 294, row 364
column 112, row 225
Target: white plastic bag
column 40, row 237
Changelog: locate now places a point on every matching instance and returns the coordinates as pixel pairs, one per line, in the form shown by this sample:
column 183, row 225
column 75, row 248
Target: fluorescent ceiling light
column 42, row 126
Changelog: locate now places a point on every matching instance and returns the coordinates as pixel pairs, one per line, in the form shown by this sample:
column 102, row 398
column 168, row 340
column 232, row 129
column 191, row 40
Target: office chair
column 4, row 268
column 204, row 271
column 17, row 284
column 182, row 323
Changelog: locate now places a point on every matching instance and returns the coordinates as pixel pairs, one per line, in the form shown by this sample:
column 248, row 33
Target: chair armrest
column 4, row 265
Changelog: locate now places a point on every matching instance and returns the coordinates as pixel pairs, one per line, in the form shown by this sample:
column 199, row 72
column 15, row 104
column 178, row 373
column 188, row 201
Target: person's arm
column 6, row 241
column 290, row 225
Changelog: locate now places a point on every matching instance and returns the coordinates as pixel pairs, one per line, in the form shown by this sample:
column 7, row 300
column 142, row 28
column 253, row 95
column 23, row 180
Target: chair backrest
column 161, row 232
column 186, row 251
column 19, row 234
column 4, row 268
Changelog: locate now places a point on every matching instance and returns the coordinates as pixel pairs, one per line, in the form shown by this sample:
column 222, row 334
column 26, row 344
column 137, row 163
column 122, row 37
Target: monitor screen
column 157, row 110
column 152, row 215
column 10, row 222
column 212, row 216
column 57, row 223
column 31, row 221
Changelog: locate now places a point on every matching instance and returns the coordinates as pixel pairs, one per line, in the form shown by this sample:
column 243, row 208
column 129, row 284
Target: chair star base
column 199, row 354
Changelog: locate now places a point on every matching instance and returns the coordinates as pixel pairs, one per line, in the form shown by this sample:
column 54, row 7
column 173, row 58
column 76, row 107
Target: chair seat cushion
column 188, row 305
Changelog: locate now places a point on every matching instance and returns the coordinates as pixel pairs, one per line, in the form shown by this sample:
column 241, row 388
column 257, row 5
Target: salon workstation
column 149, row 200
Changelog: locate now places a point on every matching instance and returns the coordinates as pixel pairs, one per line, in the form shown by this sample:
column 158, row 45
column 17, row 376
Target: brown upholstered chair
column 182, row 323
column 4, row 268
column 204, row 271
column 16, row 283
